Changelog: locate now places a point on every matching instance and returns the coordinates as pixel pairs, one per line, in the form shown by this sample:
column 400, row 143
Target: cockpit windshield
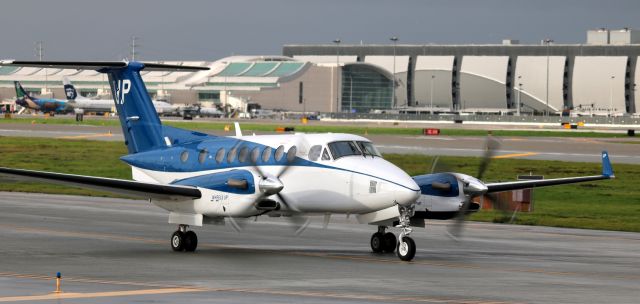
column 343, row 148
column 368, row 148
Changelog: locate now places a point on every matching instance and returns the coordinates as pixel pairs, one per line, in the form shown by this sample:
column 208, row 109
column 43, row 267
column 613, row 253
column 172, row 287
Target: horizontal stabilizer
column 118, row 186
column 607, row 173
column 98, row 65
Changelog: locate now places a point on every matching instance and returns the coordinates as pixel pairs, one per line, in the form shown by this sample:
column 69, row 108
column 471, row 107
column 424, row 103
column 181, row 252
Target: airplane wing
column 607, row 173
column 113, row 185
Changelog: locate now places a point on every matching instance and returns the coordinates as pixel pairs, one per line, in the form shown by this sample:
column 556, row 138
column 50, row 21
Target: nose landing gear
column 183, row 240
column 385, row 242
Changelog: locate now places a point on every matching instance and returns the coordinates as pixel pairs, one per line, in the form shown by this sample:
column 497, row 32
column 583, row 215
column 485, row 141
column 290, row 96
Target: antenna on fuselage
column 237, row 127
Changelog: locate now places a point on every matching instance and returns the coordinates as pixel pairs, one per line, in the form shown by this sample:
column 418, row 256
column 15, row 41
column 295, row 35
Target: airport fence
column 601, row 120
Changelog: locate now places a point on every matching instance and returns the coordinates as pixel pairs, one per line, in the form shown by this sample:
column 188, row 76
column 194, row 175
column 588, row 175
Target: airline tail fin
column 69, row 89
column 20, row 92
column 607, row 170
column 139, row 120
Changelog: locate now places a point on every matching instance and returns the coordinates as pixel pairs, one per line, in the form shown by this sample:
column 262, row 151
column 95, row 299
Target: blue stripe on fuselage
column 170, row 159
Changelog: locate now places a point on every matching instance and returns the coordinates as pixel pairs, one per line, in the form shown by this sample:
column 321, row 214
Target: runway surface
column 622, row 150
column 116, row 250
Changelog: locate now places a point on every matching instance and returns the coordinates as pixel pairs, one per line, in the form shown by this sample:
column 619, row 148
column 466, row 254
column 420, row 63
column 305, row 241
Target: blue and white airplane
column 204, row 179
column 44, row 105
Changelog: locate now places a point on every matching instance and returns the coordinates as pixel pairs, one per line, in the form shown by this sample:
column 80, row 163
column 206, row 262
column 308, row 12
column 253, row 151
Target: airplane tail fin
column 69, row 89
column 20, row 92
column 138, row 118
column 607, row 170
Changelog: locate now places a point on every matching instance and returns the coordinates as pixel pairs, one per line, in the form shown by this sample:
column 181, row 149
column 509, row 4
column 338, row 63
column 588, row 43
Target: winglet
column 607, row 170
column 237, row 127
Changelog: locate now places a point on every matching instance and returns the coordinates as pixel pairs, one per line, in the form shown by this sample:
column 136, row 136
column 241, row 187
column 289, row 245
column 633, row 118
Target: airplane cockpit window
column 202, row 156
column 244, row 153
column 325, row 154
column 314, row 152
column 279, row 153
column 343, row 148
column 184, row 156
column 368, row 148
column 266, row 154
column 291, row 154
column 231, row 157
column 255, row 154
column 220, row 155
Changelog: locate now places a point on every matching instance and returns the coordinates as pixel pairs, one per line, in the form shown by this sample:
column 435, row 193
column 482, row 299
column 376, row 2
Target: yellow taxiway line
column 515, row 155
column 86, row 136
column 83, row 295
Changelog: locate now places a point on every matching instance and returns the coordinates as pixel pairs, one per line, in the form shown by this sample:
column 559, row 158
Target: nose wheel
column 184, row 240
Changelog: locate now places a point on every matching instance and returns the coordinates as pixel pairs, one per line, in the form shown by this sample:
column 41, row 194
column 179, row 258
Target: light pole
column 431, row 106
column 547, row 41
column 519, row 91
column 611, row 96
column 393, row 87
column 337, row 42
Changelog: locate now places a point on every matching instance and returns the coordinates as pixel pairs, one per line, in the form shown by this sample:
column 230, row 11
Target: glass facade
column 364, row 89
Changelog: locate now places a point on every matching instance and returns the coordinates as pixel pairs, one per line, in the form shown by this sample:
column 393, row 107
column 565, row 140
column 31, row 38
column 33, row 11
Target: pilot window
column 368, row 148
column 314, row 152
column 343, row 148
column 325, row 154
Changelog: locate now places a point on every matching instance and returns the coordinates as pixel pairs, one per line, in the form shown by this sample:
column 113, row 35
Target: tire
column 377, row 242
column 190, row 241
column 177, row 241
column 389, row 242
column 406, row 249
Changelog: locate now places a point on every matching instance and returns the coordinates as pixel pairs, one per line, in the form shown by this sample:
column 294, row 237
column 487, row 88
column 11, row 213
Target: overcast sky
column 209, row 30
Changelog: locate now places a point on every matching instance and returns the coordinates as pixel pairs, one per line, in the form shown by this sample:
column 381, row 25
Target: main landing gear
column 183, row 240
column 382, row 242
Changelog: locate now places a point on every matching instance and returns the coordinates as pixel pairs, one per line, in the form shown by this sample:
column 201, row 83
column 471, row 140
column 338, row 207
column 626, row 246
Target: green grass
column 248, row 127
column 612, row 204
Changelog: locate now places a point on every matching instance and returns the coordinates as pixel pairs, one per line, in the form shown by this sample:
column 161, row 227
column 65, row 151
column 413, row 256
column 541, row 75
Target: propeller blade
column 235, row 225
column 455, row 229
column 491, row 145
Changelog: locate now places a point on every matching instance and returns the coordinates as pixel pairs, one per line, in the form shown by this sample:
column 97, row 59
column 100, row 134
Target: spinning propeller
column 471, row 187
column 269, row 185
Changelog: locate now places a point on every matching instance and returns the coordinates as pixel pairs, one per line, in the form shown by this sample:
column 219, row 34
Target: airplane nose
column 408, row 194
column 405, row 197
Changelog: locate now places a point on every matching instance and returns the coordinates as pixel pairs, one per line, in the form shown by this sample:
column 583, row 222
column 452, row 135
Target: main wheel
column 177, row 241
column 377, row 242
column 406, row 249
column 389, row 242
column 190, row 241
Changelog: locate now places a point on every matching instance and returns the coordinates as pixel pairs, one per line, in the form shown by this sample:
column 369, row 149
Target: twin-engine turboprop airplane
column 204, row 179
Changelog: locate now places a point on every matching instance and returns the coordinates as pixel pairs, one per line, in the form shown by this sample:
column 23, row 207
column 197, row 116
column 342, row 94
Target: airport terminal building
column 596, row 78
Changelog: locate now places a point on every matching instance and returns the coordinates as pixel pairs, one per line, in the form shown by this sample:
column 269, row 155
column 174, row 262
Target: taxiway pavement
column 117, row 250
column 621, row 150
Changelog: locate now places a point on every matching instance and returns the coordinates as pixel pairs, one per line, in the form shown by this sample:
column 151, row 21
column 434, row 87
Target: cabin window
column 255, row 154
column 266, row 154
column 291, row 154
column 343, row 148
column 202, row 156
column 279, row 153
column 325, row 154
column 244, row 153
column 314, row 152
column 184, row 156
column 220, row 155
column 232, row 155
column 368, row 148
